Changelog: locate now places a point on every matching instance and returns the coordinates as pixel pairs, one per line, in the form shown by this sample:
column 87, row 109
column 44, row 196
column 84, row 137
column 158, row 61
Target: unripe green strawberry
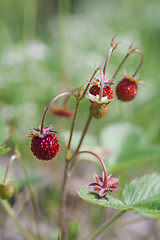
column 6, row 191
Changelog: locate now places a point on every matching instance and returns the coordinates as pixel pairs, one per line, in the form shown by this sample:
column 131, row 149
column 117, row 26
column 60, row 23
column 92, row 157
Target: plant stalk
column 32, row 198
column 74, row 160
column 12, row 214
column 103, row 228
column 51, row 102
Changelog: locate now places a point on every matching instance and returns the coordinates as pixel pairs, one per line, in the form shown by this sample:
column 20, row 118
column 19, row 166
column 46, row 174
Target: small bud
column 98, row 110
column 80, row 92
column 6, row 191
column 68, row 154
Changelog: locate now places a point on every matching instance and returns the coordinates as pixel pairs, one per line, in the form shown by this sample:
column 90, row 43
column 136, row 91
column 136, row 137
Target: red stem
column 102, row 163
column 53, row 100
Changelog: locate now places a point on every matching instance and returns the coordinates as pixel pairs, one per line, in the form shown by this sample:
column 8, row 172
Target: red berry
column 45, row 148
column 126, row 90
column 107, row 91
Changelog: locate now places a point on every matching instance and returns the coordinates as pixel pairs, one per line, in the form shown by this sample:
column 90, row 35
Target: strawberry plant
column 142, row 195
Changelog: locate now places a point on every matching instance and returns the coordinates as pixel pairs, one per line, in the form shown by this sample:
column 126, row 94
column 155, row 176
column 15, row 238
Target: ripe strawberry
column 45, row 148
column 107, row 91
column 44, row 145
column 126, row 89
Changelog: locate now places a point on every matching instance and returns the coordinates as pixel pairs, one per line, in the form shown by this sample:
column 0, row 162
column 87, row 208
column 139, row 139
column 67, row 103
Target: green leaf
column 143, row 195
column 128, row 145
column 3, row 150
column 73, row 231
column 106, row 201
column 3, row 132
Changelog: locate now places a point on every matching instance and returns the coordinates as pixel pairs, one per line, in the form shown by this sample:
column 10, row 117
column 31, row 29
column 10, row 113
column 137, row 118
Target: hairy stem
column 104, row 227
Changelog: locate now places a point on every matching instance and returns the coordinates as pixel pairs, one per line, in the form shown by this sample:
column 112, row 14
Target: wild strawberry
column 126, row 89
column 44, row 145
column 107, row 91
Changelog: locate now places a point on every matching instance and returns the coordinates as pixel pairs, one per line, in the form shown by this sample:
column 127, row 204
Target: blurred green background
column 47, row 47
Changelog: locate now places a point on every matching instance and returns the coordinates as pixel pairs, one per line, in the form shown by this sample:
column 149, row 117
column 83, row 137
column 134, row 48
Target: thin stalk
column 73, row 124
column 32, row 198
column 140, row 65
column 130, row 51
column 123, row 61
column 12, row 214
column 51, row 102
column 63, row 225
column 102, row 163
column 81, row 140
column 103, row 228
column 12, row 158
column 95, row 71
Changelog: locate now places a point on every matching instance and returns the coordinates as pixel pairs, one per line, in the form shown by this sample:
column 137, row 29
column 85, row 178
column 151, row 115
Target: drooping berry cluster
column 45, row 148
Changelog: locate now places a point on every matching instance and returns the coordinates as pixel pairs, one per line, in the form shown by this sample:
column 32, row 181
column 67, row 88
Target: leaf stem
column 104, row 227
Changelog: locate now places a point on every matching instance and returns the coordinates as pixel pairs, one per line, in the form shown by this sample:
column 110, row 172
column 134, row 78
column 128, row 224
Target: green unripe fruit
column 98, row 110
column 6, row 191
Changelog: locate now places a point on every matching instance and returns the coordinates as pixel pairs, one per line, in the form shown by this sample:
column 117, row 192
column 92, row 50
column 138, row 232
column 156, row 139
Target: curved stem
column 107, row 224
column 12, row 158
column 140, row 65
column 102, row 163
column 66, row 99
column 124, row 59
column 130, row 51
column 53, row 100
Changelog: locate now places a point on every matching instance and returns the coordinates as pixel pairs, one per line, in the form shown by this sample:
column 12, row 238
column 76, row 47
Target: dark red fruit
column 45, row 148
column 107, row 91
column 126, row 90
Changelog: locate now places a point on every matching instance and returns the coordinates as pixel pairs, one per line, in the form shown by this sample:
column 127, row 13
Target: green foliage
column 73, row 231
column 128, row 145
column 3, row 150
column 142, row 195
column 106, row 201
